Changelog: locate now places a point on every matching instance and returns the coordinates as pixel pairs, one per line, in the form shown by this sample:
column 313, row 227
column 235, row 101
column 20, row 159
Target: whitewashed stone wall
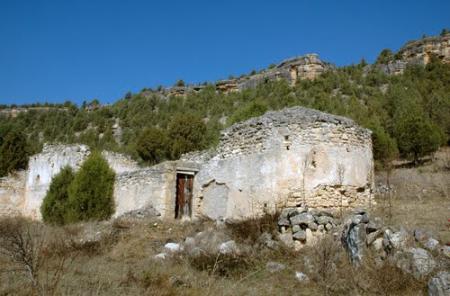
column 285, row 158
column 44, row 166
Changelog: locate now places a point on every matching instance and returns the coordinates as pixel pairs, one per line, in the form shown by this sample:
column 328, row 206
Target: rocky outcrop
column 419, row 52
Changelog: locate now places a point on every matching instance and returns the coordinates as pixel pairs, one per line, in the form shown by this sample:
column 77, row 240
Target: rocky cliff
column 419, row 52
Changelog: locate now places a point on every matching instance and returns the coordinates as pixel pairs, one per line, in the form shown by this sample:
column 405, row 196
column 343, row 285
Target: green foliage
column 416, row 134
column 384, row 146
column 251, row 109
column 180, row 83
column 55, row 205
column 186, row 133
column 385, row 56
column 91, row 191
column 152, row 145
column 13, row 152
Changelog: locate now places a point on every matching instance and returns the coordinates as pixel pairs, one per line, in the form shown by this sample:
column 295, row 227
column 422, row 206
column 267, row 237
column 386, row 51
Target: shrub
column 186, row 133
column 55, row 204
column 91, row 192
column 152, row 145
column 13, row 153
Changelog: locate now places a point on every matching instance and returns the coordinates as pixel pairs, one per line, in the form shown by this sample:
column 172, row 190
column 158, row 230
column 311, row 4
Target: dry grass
column 125, row 267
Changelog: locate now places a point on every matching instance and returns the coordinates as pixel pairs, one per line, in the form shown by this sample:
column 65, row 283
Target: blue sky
column 79, row 50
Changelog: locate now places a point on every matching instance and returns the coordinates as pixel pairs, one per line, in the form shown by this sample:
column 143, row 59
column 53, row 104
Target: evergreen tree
column 91, row 192
column 55, row 204
column 152, row 145
column 13, row 152
column 186, row 133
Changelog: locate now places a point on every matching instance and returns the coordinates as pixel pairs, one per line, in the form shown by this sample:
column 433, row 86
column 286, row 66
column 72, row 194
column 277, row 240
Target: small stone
column 377, row 244
column 173, row 247
column 328, row 227
column 296, row 228
column 431, row 244
column 282, row 221
column 321, row 228
column 445, row 250
column 313, row 226
column 300, row 235
column 228, row 247
column 160, row 256
column 439, row 285
column 286, row 239
column 272, row 266
column 323, row 220
column 301, row 277
column 371, row 237
column 421, row 235
column 189, row 241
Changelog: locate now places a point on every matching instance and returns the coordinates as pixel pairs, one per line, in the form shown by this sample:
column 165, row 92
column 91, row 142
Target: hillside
column 180, row 119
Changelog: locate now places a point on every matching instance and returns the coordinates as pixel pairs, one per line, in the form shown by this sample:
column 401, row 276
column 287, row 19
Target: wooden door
column 183, row 203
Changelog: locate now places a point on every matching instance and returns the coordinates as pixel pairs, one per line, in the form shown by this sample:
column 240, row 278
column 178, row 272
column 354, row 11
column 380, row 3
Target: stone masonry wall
column 12, row 194
column 282, row 158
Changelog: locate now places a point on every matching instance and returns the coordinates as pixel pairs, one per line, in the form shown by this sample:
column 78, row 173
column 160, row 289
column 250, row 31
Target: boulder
column 300, row 236
column 395, row 240
column 302, row 219
column 439, row 285
column 416, row 261
column 371, row 237
column 354, row 240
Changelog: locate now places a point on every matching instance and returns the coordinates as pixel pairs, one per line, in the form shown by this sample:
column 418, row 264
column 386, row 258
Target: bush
column 13, row 153
column 55, row 204
column 186, row 133
column 152, row 145
column 91, row 192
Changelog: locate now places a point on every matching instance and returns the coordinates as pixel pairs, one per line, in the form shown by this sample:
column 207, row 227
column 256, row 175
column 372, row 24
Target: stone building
column 283, row 158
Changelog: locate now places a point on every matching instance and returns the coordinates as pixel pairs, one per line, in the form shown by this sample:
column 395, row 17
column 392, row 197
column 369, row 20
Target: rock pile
column 300, row 226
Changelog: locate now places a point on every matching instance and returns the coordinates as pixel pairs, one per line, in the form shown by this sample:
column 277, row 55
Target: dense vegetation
column 409, row 114
column 82, row 196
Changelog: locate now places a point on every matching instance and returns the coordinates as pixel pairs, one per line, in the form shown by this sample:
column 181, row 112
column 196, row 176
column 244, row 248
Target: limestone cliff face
column 308, row 66
column 419, row 52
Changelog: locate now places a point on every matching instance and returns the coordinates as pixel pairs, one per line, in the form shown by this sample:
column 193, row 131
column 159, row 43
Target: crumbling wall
column 44, row 166
column 12, row 194
column 143, row 188
column 293, row 156
column 41, row 169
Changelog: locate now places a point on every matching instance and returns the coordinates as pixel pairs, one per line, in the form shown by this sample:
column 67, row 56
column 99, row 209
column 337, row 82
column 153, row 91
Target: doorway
column 184, row 192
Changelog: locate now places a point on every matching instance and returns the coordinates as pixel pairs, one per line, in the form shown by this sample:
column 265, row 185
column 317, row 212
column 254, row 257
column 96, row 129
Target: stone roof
column 293, row 115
